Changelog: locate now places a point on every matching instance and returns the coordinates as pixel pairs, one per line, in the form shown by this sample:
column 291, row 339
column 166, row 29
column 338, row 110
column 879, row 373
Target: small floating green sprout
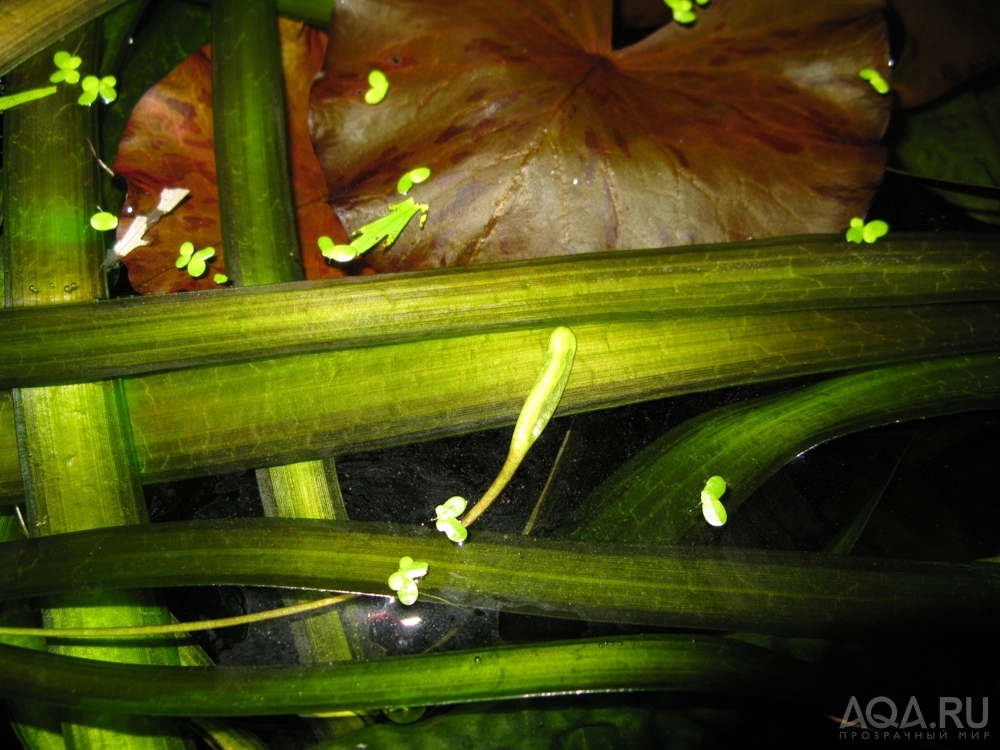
column 861, row 232
column 67, row 72
column 875, row 79
column 447, row 519
column 194, row 261
column 411, row 178
column 220, row 278
column 404, row 580
column 711, row 508
column 103, row 221
column 379, row 86
column 384, row 229
column 683, row 10
column 535, row 414
column 94, row 86
column 67, row 65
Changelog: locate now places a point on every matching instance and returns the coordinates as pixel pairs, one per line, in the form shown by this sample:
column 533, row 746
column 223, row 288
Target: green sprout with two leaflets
column 862, row 232
column 66, row 65
column 379, row 86
column 194, row 260
column 539, row 406
column 683, row 10
column 875, row 79
column 404, row 580
column 104, row 221
column 66, row 72
column 711, row 508
column 93, row 87
column 385, row 229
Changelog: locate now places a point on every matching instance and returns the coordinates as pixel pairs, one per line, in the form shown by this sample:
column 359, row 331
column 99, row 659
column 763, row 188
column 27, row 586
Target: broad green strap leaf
column 650, row 499
column 129, row 336
column 634, row 663
column 292, row 409
column 778, row 592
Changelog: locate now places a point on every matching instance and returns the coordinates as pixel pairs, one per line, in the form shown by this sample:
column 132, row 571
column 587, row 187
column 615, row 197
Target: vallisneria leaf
column 538, row 408
column 649, row 498
column 665, row 586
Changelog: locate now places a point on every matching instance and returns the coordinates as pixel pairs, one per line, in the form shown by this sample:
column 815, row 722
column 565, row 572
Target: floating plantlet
column 404, row 582
column 535, row 414
column 447, row 519
column 67, row 65
column 103, row 221
column 193, row 260
column 387, row 229
column 861, row 232
column 94, row 87
column 683, row 10
column 379, row 86
column 220, row 278
column 711, row 508
column 411, row 178
column 875, row 79
column 335, row 252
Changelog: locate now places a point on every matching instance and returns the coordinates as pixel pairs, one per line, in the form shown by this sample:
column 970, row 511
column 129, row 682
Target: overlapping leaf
column 957, row 139
column 169, row 143
column 943, row 44
column 543, row 140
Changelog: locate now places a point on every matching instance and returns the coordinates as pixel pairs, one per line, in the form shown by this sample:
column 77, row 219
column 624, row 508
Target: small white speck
column 575, row 180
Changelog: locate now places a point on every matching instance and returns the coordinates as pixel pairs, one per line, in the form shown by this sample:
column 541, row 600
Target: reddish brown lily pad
column 542, row 140
column 169, row 143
